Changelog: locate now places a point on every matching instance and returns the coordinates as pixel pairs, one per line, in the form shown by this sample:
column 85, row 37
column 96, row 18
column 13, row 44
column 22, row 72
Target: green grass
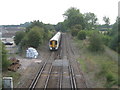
column 82, row 63
column 14, row 75
column 104, row 68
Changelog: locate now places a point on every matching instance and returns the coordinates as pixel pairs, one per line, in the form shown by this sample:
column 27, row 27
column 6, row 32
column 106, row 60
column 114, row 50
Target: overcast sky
column 51, row 11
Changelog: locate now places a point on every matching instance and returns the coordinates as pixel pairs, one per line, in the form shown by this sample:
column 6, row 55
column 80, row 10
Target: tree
column 61, row 26
column 96, row 43
column 115, row 34
column 115, row 43
column 107, row 21
column 81, row 35
column 75, row 29
column 90, row 20
column 19, row 36
column 35, row 23
column 35, row 37
column 5, row 62
column 73, row 17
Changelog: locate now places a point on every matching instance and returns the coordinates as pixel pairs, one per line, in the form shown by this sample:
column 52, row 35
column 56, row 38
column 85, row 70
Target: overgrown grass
column 104, row 68
column 14, row 75
column 82, row 63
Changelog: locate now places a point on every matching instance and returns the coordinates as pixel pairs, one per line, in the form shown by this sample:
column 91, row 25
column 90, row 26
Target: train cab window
column 55, row 42
column 50, row 42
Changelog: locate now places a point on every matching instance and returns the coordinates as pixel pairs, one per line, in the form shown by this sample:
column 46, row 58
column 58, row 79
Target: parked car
column 8, row 43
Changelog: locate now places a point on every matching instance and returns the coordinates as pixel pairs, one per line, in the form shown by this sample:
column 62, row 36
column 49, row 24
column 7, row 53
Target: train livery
column 55, row 41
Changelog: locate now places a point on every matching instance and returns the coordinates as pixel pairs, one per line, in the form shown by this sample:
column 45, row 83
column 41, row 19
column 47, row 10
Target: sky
column 15, row 12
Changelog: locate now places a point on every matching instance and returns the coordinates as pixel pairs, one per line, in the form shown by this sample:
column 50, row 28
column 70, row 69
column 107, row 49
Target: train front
column 53, row 45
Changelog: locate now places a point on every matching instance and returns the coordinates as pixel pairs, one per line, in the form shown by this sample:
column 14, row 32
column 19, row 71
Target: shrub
column 96, row 43
column 115, row 43
column 19, row 36
column 5, row 62
column 81, row 35
column 110, row 80
column 74, row 32
column 106, row 39
column 75, row 29
column 35, row 37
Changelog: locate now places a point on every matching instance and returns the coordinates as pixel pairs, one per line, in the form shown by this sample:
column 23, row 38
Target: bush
column 106, row 39
column 110, row 80
column 75, row 29
column 74, row 32
column 81, row 35
column 96, row 43
column 115, row 43
column 90, row 32
column 35, row 37
column 5, row 62
column 18, row 37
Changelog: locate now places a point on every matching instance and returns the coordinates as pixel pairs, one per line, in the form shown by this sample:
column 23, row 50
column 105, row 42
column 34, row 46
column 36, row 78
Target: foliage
column 35, row 37
column 61, row 26
column 75, row 29
column 5, row 62
column 19, row 36
column 96, row 43
column 106, row 20
column 89, row 33
column 35, row 23
column 73, row 17
column 115, row 43
column 99, row 66
column 106, row 39
column 90, row 20
column 81, row 35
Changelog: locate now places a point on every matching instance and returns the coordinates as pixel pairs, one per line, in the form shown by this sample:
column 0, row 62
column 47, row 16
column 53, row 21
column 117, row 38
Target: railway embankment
column 100, row 68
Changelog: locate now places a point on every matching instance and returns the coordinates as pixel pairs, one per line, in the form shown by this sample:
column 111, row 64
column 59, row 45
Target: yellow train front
column 55, row 41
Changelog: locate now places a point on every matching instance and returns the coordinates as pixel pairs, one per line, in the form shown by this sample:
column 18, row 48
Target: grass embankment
column 99, row 67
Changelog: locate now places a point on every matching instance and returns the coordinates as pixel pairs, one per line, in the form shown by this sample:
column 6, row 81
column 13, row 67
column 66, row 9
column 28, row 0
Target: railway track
column 58, row 71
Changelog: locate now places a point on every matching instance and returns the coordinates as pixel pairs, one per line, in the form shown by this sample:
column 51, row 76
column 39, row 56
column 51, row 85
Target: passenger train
column 54, row 42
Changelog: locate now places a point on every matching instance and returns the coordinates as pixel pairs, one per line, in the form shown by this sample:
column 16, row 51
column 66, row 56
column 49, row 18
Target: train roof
column 56, row 36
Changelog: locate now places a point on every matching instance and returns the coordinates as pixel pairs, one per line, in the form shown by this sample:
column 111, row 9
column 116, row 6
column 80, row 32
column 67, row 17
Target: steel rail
column 72, row 75
column 35, row 80
column 49, row 73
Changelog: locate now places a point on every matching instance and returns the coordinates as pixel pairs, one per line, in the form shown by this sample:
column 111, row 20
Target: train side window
column 55, row 42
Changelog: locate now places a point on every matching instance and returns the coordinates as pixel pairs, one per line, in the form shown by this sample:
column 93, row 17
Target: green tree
column 115, row 34
column 61, row 26
column 73, row 17
column 115, row 43
column 96, row 43
column 35, row 23
column 81, row 35
column 107, row 21
column 35, row 37
column 19, row 36
column 75, row 29
column 90, row 20
column 5, row 62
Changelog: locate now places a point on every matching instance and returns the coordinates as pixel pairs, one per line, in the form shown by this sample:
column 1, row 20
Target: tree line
column 34, row 35
column 77, row 24
column 80, row 25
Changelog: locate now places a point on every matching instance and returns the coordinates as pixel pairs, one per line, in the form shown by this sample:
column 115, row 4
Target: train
column 55, row 41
